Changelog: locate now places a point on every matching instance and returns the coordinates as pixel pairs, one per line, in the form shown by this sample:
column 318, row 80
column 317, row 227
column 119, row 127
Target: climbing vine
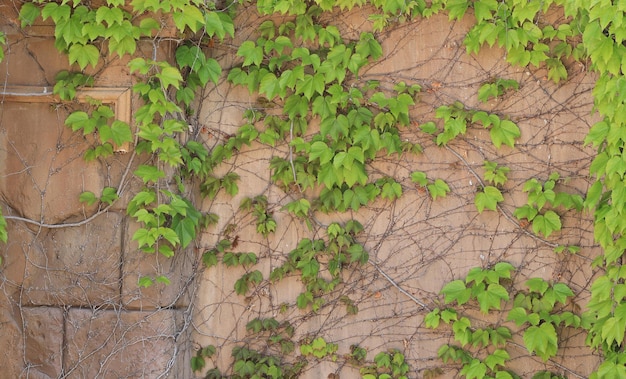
column 328, row 127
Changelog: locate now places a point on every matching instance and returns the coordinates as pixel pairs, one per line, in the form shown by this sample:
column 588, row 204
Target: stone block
column 120, row 344
column 42, row 165
column 43, row 332
column 11, row 342
column 78, row 266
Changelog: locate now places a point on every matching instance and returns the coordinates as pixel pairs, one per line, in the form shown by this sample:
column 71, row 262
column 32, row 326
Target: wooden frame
column 118, row 97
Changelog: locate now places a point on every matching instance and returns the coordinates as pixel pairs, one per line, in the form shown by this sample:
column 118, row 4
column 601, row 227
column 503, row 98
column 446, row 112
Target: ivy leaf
column 432, row 319
column 456, row 8
column 518, row 315
column 79, row 119
column 125, row 45
column 251, row 53
column 610, row 369
column 474, row 370
column 483, row 9
column 538, row 285
column 170, row 76
column 504, row 133
column 185, row 228
column 88, row 197
column 188, row 16
column 335, row 126
column 419, row 177
column 310, row 85
column 562, row 292
column 456, row 290
column 109, row 195
column 210, row 70
column 497, row 358
column 547, row 223
column 28, row 13
column 488, row 198
column 492, row 297
column 119, row 133
column 269, row 86
column 597, row 134
column 438, row 189
column 83, row 54
column 149, row 173
column 296, row 105
column 145, row 281
column 542, row 340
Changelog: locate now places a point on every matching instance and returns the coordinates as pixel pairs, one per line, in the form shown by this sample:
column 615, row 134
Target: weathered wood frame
column 119, row 98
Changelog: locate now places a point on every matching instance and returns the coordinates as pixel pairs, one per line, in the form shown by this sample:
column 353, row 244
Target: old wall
column 70, row 303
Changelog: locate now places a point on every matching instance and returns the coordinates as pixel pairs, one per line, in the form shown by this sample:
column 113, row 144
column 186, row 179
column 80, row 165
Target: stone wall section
column 70, row 306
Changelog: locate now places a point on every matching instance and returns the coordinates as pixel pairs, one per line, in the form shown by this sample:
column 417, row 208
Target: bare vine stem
column 88, row 219
column 402, row 290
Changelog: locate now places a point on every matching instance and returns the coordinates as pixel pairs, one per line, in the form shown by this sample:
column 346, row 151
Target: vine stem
column 560, row 366
column 88, row 219
column 402, row 290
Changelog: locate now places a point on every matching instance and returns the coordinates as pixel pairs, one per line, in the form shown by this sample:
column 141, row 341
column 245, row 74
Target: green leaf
column 88, row 197
column 170, row 76
column 84, row 54
column 488, row 198
column 538, row 285
column 542, row 340
column 483, row 9
column 119, row 132
column 188, row 16
column 613, row 330
column 547, row 223
column 597, row 134
column 270, row 86
column 438, row 189
column 456, row 291
column 149, row 173
column 432, row 319
column 562, row 292
column 492, row 297
column 251, row 53
column 429, row 127
column 474, row 370
column 209, row 258
column 109, row 195
column 497, row 358
column 185, row 228
column 419, row 177
column 506, row 132
column 518, row 315
column 145, row 281
column 28, row 13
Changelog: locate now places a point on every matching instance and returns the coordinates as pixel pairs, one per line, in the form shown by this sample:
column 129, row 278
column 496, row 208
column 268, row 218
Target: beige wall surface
column 70, row 305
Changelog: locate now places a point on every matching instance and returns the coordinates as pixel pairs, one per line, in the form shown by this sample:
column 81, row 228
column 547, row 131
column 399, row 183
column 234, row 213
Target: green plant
column 539, row 311
column 541, row 195
column 341, row 251
column 496, row 89
column 318, row 348
column 387, row 365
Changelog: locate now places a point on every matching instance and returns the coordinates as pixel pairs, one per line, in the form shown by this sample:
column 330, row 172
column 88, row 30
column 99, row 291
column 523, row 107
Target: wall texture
column 71, row 306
